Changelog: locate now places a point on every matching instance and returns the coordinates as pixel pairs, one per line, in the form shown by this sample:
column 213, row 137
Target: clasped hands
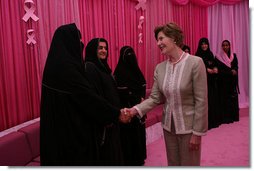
column 127, row 114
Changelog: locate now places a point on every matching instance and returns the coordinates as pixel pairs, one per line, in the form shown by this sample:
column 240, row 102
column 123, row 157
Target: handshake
column 127, row 114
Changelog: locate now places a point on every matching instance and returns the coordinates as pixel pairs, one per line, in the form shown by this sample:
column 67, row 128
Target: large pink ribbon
column 30, row 35
column 141, row 4
column 29, row 11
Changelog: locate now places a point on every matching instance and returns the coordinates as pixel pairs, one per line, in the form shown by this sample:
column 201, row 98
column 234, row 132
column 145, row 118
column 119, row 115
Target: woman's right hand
column 130, row 111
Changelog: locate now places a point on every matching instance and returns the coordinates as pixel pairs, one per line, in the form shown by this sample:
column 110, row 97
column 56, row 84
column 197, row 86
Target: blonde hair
column 171, row 30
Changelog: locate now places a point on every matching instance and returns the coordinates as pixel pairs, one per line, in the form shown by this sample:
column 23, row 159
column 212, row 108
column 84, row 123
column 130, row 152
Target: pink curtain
column 231, row 22
column 20, row 74
column 22, row 64
column 193, row 21
column 117, row 21
column 206, row 3
column 158, row 12
column 52, row 14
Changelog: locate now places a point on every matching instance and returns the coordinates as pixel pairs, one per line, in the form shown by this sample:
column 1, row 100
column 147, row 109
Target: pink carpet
column 227, row 145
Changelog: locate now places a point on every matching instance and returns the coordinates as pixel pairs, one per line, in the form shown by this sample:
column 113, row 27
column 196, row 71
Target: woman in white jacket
column 180, row 83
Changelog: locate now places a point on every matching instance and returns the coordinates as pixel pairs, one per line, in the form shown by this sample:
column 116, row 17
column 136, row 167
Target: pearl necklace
column 177, row 60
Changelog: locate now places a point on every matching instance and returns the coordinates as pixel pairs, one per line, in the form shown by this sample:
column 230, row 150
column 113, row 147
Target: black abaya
column 72, row 114
column 99, row 74
column 214, row 111
column 229, row 90
column 131, row 87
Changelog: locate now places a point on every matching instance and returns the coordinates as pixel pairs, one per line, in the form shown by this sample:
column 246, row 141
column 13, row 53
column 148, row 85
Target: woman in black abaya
column 99, row 74
column 72, row 114
column 203, row 51
column 228, row 81
column 132, row 88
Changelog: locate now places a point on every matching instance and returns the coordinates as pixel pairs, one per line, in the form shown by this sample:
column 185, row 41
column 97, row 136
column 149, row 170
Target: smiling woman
column 180, row 83
column 102, row 50
column 205, row 53
column 168, row 38
column 99, row 75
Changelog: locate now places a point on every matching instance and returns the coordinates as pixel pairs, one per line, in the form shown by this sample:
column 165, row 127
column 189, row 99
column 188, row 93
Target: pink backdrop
column 116, row 20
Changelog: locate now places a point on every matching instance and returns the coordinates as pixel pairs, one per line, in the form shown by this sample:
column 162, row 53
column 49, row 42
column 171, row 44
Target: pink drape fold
column 227, row 22
column 20, row 78
column 194, row 22
column 116, row 21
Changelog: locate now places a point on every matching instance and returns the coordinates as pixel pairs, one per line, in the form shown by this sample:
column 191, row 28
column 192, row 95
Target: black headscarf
column 127, row 71
column 204, row 54
column 64, row 65
column 91, row 55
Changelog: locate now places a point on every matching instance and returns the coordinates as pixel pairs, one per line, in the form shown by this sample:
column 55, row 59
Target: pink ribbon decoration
column 29, row 11
column 141, row 21
column 30, row 35
column 141, row 4
column 140, row 38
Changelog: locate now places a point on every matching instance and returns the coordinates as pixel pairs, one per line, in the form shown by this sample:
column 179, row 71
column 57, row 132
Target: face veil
column 127, row 71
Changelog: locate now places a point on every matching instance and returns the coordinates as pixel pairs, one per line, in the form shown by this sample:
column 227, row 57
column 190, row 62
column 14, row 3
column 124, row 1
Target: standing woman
column 214, row 112
column 132, row 89
column 228, row 81
column 180, row 83
column 70, row 132
column 99, row 75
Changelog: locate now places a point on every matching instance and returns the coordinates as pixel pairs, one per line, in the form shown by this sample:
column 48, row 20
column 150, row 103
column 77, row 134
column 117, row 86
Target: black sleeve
column 96, row 108
column 89, row 98
column 235, row 63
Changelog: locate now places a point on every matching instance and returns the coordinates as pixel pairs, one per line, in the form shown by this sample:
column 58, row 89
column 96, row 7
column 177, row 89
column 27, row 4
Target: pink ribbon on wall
column 29, row 7
column 141, row 21
column 30, row 35
column 141, row 4
column 29, row 11
column 140, row 38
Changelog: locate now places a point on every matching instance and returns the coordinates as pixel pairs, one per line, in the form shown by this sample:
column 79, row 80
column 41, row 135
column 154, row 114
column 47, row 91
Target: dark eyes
column 159, row 38
column 102, row 47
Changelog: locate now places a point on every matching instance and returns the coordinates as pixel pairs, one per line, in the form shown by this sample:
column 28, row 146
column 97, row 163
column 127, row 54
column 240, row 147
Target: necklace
column 177, row 60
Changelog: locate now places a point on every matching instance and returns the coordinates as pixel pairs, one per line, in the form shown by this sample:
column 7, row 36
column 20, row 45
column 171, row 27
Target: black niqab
column 127, row 71
column 131, row 88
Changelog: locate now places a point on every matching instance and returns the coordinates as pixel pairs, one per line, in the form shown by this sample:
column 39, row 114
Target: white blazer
column 183, row 90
